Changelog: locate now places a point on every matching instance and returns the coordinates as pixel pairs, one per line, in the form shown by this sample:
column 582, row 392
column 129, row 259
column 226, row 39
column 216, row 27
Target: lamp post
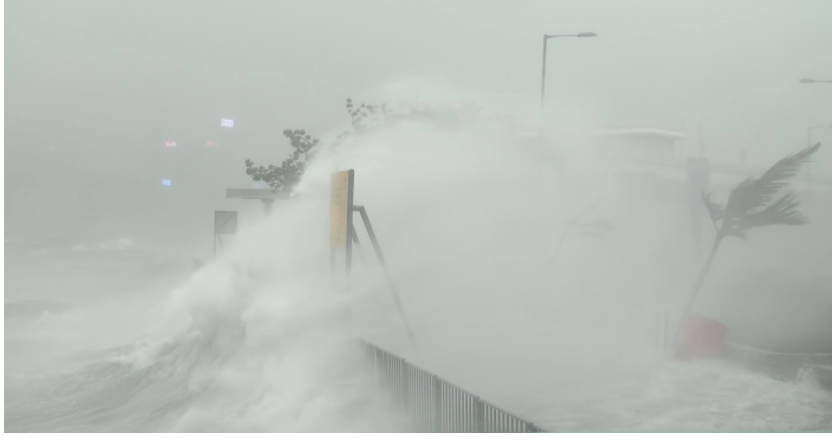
column 545, row 39
column 811, row 80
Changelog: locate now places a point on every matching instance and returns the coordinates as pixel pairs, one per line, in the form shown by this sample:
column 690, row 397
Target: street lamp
column 811, row 80
column 545, row 39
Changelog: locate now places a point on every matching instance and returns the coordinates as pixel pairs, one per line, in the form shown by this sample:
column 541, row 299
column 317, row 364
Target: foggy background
column 469, row 211
column 105, row 83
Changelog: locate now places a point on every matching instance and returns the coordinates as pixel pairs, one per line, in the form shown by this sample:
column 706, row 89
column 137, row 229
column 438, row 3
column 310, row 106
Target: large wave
column 265, row 338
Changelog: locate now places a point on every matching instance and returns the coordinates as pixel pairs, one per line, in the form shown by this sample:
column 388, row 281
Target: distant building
column 641, row 144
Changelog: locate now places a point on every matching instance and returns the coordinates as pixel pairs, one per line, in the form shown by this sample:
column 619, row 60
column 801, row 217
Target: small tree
column 286, row 176
column 747, row 208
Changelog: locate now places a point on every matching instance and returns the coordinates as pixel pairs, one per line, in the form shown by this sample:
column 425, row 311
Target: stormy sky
column 93, row 88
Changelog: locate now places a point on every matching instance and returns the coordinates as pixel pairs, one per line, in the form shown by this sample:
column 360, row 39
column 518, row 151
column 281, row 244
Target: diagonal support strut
column 379, row 252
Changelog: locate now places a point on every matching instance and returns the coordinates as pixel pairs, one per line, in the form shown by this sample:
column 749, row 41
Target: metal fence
column 432, row 404
column 780, row 365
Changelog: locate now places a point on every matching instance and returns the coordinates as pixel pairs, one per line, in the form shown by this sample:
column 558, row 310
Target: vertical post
column 350, row 209
column 218, row 239
column 698, row 181
column 544, row 54
column 436, row 404
column 478, row 411
column 377, row 378
column 404, row 389
column 382, row 261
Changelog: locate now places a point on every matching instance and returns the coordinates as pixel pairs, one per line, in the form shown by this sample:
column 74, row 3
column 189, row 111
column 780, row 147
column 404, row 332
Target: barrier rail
column 432, row 404
column 782, row 365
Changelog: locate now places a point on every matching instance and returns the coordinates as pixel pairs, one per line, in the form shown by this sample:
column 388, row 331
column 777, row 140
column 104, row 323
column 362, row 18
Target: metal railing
column 431, row 404
column 785, row 365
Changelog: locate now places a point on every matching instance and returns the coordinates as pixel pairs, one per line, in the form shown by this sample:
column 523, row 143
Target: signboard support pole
column 218, row 239
column 379, row 252
column 698, row 182
column 344, row 235
column 226, row 222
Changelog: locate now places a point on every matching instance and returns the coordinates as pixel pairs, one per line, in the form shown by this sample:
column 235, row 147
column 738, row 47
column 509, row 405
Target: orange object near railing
column 704, row 337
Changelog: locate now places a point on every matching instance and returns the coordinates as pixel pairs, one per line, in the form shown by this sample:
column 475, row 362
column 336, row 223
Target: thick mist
column 105, row 84
column 119, row 318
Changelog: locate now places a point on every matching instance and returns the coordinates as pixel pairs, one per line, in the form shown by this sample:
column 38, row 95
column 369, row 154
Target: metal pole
column 356, row 240
column 436, row 404
column 404, row 387
column 478, row 411
column 382, row 261
column 544, row 54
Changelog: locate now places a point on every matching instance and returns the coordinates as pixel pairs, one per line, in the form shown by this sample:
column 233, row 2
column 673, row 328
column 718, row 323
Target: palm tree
column 747, row 208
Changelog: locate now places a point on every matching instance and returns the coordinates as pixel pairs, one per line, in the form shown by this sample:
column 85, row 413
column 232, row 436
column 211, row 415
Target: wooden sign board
column 342, row 202
column 226, row 222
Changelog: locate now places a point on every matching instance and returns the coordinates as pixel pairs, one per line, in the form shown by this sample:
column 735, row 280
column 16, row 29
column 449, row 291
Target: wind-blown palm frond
column 748, row 207
column 782, row 211
column 749, row 203
column 715, row 210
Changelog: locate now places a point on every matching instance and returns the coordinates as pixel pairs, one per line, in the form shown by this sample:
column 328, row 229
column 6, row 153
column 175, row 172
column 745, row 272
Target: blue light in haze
column 166, row 182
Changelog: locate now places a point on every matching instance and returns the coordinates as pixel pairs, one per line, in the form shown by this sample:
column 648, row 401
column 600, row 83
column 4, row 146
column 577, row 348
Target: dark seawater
column 89, row 348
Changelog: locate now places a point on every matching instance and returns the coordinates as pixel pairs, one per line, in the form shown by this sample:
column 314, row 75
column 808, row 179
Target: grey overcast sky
column 106, row 80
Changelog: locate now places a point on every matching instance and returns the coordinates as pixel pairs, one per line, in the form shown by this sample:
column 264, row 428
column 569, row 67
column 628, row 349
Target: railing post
column 436, row 404
column 445, row 407
column 478, row 410
column 404, row 388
